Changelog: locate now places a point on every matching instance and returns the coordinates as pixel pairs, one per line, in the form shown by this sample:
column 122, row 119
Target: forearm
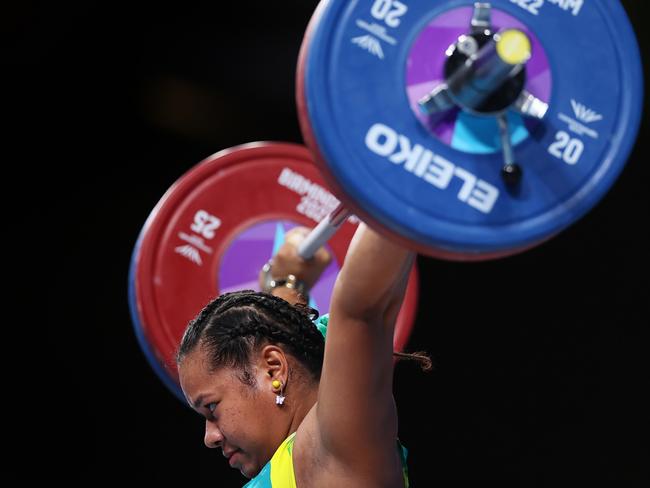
column 373, row 276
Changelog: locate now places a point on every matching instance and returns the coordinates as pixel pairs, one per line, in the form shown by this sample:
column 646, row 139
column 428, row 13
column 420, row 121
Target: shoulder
column 314, row 465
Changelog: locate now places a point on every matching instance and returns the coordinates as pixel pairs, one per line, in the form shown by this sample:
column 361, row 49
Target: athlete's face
column 240, row 418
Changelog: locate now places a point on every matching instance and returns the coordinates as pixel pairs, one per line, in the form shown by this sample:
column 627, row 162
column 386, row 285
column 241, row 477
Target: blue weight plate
column 436, row 183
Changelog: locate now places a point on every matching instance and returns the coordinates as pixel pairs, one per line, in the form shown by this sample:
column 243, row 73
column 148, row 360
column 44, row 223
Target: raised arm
column 356, row 412
column 288, row 262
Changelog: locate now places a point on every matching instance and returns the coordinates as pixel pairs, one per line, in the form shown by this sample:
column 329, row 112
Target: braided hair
column 235, row 324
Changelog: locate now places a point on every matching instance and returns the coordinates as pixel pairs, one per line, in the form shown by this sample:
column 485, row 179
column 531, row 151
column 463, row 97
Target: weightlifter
column 286, row 407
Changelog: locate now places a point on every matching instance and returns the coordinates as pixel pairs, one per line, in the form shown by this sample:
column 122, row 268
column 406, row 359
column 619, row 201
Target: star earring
column 279, row 398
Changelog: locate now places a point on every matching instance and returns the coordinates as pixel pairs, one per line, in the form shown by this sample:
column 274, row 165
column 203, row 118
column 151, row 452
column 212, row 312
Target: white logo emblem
column 584, row 113
column 370, row 44
column 190, row 253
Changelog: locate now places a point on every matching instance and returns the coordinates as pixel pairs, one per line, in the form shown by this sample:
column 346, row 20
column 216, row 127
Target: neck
column 305, row 401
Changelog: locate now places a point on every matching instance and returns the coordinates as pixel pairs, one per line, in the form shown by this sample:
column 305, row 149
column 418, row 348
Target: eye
column 211, row 406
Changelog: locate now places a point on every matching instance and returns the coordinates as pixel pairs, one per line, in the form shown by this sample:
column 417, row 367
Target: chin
column 249, row 471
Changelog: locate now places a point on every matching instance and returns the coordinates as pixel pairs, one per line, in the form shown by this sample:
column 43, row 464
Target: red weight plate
column 215, row 228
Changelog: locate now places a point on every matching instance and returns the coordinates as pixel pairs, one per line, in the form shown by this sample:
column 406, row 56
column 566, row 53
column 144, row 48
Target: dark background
column 538, row 380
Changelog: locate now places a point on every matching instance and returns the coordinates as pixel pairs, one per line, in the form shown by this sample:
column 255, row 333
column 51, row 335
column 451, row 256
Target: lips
column 232, row 459
column 229, row 455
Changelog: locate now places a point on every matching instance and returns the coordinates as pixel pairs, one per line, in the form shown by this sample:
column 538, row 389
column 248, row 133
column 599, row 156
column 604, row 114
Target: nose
column 213, row 436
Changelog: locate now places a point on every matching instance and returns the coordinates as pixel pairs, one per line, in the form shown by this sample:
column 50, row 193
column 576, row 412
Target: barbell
column 464, row 130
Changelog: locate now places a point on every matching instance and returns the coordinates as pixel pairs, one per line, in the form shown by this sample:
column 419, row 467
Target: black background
column 538, row 378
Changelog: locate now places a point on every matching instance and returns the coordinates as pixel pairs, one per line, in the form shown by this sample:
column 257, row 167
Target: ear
column 273, row 362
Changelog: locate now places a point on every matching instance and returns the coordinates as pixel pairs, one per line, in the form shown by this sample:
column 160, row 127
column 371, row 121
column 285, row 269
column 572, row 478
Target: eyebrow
column 197, row 403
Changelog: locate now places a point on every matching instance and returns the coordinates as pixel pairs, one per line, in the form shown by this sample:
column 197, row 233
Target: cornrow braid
column 233, row 325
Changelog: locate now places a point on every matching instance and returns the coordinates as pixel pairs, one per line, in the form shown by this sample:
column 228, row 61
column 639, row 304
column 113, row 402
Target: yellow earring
column 277, row 385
